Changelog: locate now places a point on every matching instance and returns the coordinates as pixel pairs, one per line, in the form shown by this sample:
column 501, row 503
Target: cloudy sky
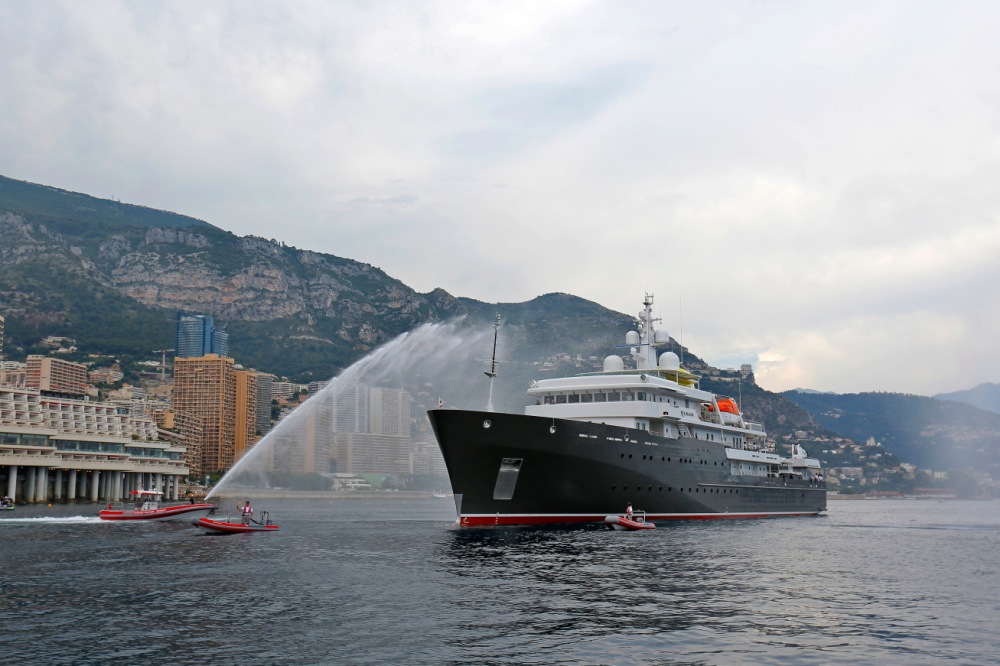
column 811, row 187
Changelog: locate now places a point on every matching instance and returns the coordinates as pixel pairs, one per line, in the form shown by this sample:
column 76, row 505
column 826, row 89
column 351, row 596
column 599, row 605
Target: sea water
column 396, row 582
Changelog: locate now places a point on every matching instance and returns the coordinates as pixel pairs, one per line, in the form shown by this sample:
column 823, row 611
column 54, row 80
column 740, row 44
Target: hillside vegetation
column 113, row 276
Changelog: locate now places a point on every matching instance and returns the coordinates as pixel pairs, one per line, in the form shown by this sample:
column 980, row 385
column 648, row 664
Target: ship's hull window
column 507, row 478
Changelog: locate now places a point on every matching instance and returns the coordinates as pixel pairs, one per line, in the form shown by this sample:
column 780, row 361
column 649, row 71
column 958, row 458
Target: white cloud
column 812, row 184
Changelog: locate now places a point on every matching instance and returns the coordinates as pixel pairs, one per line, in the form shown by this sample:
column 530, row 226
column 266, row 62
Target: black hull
column 562, row 471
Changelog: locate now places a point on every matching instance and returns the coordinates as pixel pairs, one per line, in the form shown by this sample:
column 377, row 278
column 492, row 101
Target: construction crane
column 163, row 362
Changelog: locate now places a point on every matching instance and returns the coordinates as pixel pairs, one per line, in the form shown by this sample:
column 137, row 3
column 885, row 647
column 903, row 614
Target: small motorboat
column 148, row 508
column 227, row 527
column 636, row 522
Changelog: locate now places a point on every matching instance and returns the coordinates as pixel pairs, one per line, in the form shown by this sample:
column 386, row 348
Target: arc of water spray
column 431, row 351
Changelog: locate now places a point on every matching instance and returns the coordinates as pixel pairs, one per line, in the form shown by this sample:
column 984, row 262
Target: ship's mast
column 646, row 354
column 492, row 372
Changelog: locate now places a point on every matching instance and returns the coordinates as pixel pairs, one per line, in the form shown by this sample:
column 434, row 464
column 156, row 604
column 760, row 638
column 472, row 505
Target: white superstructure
column 660, row 397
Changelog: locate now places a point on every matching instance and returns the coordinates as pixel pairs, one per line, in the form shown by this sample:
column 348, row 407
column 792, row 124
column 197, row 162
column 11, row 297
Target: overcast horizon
column 806, row 187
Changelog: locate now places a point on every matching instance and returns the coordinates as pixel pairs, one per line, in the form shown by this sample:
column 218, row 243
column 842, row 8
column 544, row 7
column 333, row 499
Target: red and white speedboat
column 148, row 508
column 224, row 527
column 637, row 522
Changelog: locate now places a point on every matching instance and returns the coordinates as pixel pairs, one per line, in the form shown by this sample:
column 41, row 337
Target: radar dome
column 631, row 338
column 669, row 361
column 661, row 336
column 614, row 364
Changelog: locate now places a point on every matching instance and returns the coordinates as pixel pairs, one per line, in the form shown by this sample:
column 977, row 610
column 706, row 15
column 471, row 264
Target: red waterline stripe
column 481, row 520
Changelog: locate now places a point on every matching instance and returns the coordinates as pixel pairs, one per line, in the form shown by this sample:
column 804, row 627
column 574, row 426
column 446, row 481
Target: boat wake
column 52, row 520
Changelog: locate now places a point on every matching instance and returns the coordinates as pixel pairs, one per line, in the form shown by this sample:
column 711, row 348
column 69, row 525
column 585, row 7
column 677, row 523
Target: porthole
column 660, row 489
column 486, row 423
column 630, row 456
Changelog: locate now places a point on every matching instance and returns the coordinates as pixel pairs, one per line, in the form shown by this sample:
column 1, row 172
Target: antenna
column 492, row 372
column 680, row 307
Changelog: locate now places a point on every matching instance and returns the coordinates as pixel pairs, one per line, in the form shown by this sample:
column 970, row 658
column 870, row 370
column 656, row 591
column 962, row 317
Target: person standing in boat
column 628, row 511
column 247, row 511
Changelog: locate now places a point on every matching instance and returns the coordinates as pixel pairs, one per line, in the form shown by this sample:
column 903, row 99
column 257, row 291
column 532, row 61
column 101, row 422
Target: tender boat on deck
column 148, row 508
column 226, row 527
column 637, row 522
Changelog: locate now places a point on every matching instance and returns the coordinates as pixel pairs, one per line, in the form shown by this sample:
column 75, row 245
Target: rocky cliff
column 309, row 307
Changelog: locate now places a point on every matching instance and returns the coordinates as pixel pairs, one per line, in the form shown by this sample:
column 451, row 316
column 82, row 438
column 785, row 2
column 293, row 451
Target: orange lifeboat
column 729, row 413
column 728, row 405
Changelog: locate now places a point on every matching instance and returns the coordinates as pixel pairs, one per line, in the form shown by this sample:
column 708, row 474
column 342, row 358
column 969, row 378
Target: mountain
column 985, row 396
column 930, row 433
column 113, row 276
column 58, row 208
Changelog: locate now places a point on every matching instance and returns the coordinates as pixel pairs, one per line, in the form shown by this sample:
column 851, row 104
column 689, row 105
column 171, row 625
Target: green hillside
column 60, row 207
column 932, row 434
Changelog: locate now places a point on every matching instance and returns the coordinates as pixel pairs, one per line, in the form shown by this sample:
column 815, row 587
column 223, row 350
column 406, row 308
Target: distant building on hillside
column 284, row 389
column 13, row 373
column 55, row 375
column 197, row 336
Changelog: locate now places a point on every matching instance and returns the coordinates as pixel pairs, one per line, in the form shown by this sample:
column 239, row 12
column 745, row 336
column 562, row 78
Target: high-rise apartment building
column 55, row 375
column 197, row 336
column 205, row 387
column 371, row 428
column 389, row 411
column 349, row 408
column 264, row 403
column 246, row 412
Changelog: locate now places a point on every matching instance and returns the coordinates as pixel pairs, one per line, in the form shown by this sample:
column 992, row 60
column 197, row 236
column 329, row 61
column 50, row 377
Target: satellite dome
column 669, row 361
column 661, row 336
column 614, row 364
column 631, row 338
